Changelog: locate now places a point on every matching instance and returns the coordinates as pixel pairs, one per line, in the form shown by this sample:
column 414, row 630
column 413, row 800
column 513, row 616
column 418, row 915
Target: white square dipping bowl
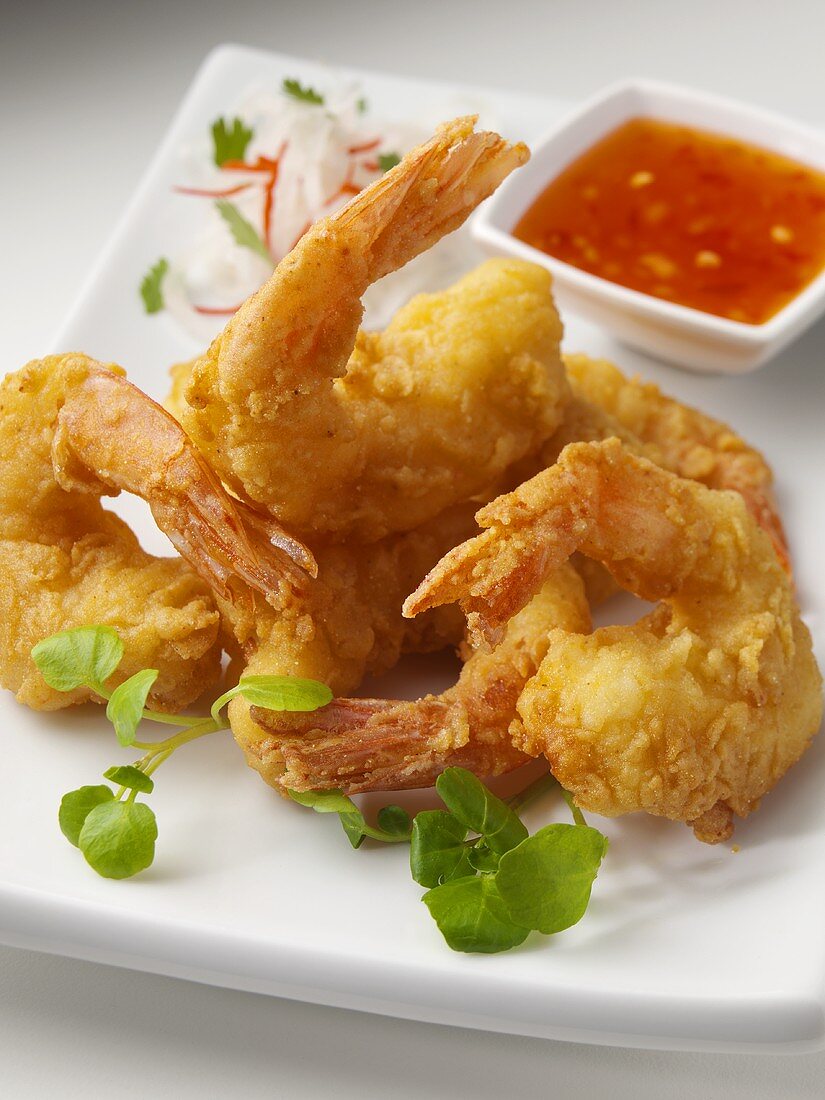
column 687, row 337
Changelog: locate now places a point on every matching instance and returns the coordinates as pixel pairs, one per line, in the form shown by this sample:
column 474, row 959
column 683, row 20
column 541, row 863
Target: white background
column 87, row 91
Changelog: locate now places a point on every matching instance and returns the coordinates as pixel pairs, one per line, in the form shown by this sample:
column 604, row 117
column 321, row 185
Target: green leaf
column 388, row 160
column 76, row 806
column 151, row 286
column 353, row 825
column 472, row 917
column 480, row 810
column 125, row 775
column 545, row 882
column 437, row 851
column 125, row 707
column 394, row 821
column 243, row 231
column 297, row 90
column 482, row 859
column 118, row 838
column 86, row 655
column 229, row 142
column 361, row 105
column 277, row 693
column 325, row 802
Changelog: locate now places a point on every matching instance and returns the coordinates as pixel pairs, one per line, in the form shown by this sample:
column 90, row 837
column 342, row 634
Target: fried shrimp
column 342, row 433
column 383, row 744
column 72, row 431
column 697, row 710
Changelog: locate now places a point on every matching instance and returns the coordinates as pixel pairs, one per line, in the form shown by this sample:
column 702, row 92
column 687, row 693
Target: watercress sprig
column 489, row 882
column 115, row 832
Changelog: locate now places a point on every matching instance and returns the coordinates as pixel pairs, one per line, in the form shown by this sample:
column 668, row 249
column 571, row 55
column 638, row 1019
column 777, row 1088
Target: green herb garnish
column 388, row 160
column 243, row 231
column 114, row 831
column 229, row 141
column 489, row 882
column 151, row 286
column 394, row 825
column 298, row 91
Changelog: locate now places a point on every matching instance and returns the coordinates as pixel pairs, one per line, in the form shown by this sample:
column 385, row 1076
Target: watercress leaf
column 229, row 141
column 545, row 882
column 85, row 655
column 284, row 692
column 325, row 802
column 75, row 807
column 394, row 820
column 125, row 707
column 353, row 825
column 243, row 231
column 125, row 775
column 480, row 810
column 118, row 838
column 437, row 851
column 388, row 160
column 472, row 917
column 482, row 859
column 301, row 92
column 151, row 286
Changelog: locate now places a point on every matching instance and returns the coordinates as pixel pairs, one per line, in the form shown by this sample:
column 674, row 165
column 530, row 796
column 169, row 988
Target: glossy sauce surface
column 687, row 216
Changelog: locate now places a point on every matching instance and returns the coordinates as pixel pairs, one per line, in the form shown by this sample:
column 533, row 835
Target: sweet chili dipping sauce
column 691, row 217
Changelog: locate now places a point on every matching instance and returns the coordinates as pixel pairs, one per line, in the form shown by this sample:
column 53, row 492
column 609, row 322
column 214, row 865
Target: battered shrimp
column 342, row 433
column 697, row 710
column 71, row 431
column 382, row 744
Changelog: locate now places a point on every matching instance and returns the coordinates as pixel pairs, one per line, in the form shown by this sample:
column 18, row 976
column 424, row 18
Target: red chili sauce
column 691, row 217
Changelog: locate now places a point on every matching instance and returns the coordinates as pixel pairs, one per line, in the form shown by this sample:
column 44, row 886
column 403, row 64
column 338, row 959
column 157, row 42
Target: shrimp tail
column 358, row 745
column 109, row 432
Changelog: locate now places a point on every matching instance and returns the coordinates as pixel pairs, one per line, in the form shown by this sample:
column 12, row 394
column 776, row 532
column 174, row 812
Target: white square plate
column 684, row 946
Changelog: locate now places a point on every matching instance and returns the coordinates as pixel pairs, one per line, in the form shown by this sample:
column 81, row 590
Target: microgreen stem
column 538, row 787
column 578, row 816
column 387, row 838
column 194, row 730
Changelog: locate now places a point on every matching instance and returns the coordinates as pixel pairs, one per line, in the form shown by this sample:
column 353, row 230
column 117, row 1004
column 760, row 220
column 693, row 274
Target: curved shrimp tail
column 429, row 193
column 358, row 745
column 110, row 432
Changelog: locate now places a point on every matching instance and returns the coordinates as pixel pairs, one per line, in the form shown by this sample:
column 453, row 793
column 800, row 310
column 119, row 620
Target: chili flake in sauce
column 692, row 217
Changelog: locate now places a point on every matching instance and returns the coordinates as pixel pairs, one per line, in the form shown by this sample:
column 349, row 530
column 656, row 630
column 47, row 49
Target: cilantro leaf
column 151, row 286
column 118, row 838
column 125, row 708
column 472, row 917
column 388, row 160
column 125, row 775
column 545, row 882
column 243, row 231
column 76, row 806
column 229, row 141
column 361, row 105
column 86, row 655
column 298, row 91
column 437, row 851
column 479, row 809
